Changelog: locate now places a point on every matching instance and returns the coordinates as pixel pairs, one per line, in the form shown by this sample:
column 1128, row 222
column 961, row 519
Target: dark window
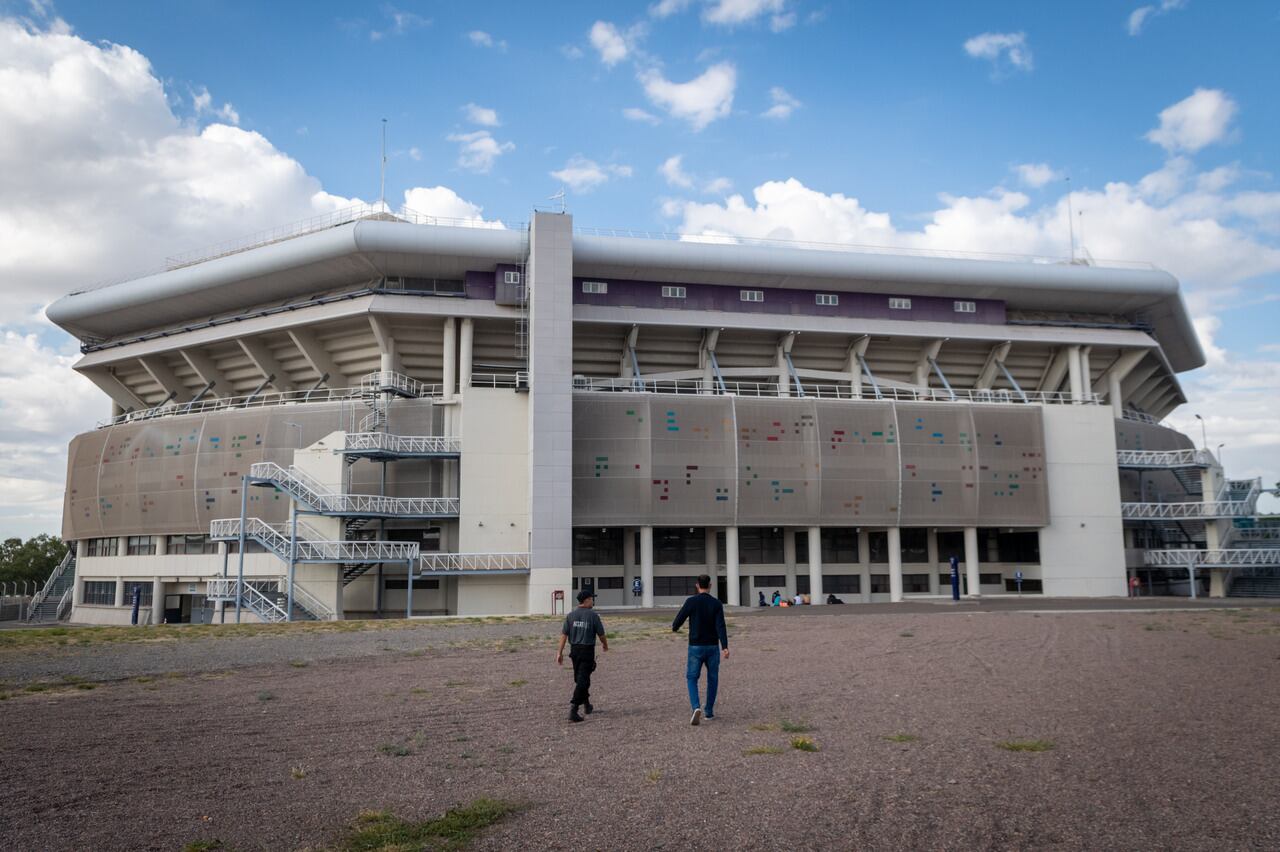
column 434, row 286
column 915, row 545
column 674, row 586
column 944, row 581
column 575, row 584
column 951, row 544
column 140, row 545
column 189, row 545
column 102, row 547
column 842, row 584
column 393, row 584
column 878, row 545
column 991, row 579
column 250, row 546
column 603, row 583
column 597, row 546
column 1021, row 546
column 1034, row 586
column 802, row 584
column 839, row 545
column 879, row 584
column 915, row 583
column 100, row 592
column 679, row 546
column 760, row 546
column 802, row 546
column 427, row 538
column 144, row 596
column 770, row 580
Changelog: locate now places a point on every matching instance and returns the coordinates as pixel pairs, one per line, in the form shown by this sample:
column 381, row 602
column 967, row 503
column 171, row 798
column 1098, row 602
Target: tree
column 33, row 559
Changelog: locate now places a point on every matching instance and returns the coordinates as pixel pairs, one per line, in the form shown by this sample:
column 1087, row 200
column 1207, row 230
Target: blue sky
column 129, row 131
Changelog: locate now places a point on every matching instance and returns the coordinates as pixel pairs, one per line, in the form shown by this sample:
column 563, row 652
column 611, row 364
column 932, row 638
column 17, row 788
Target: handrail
column 1218, row 557
column 253, row 598
column 437, row 562
column 263, row 400
column 64, row 603
column 1165, row 458
column 39, row 597
column 389, row 381
column 1209, row 509
column 355, row 442
column 318, row 608
column 1139, row 417
column 276, row 539
column 327, row 502
column 843, row 391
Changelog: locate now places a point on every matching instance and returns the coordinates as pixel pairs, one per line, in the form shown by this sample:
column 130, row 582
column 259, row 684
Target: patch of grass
column 902, row 738
column 380, row 831
column 204, row 845
column 298, row 664
column 507, row 749
column 762, row 726
column 462, row 739
column 266, row 696
column 796, row 727
column 1153, row 626
column 143, row 679
column 298, row 772
column 455, row 683
column 1025, row 745
column 417, row 690
column 653, row 776
column 803, row 744
column 36, row 687
column 764, row 749
column 86, row 686
column 518, row 682
column 394, row 750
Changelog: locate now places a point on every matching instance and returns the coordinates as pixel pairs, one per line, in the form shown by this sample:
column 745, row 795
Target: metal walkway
column 320, row 499
column 380, row 446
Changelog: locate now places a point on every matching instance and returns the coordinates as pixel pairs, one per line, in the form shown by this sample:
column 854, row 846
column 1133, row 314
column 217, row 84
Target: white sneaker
column 697, row 717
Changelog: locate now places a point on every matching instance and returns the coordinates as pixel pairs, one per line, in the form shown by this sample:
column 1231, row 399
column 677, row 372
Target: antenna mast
column 559, row 196
column 1071, row 225
column 382, row 187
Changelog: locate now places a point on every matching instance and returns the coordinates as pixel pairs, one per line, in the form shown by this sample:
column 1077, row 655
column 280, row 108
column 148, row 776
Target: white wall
column 1082, row 548
column 494, row 486
column 499, row 594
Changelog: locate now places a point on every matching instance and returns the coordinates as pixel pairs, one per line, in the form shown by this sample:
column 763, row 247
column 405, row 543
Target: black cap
column 584, row 594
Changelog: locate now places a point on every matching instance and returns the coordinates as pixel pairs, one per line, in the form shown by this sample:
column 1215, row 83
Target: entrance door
column 722, row 588
column 172, row 609
column 589, row 585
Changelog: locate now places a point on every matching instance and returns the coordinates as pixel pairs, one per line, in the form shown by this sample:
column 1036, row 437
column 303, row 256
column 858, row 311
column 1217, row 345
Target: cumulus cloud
column 674, row 174
column 667, row 8
column 444, row 202
column 480, row 38
column 1139, row 16
column 700, row 101
column 1035, row 175
column 783, row 104
column 609, row 43
column 478, row 150
column 1002, row 50
column 1200, row 119
column 730, row 13
column 477, row 114
column 637, row 114
column 202, row 104
column 583, row 175
column 398, row 23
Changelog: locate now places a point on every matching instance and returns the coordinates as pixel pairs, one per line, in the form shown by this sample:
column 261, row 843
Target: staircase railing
column 400, row 444
column 1164, row 458
column 64, row 604
column 68, row 561
column 389, row 381
column 275, row 537
column 438, row 562
column 315, row 495
column 229, row 588
column 1216, row 558
column 1204, row 510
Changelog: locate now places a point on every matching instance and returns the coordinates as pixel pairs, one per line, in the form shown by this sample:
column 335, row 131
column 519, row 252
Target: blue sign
column 955, row 579
column 1017, row 578
column 137, row 601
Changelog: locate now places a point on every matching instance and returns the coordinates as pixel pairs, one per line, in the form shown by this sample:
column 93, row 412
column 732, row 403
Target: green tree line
column 33, row 559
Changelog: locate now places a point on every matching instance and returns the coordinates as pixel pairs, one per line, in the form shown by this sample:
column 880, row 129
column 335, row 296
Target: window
column 604, row 583
column 250, row 546
column 751, row 295
column 1033, row 586
column 842, row 584
column 951, row 544
column 773, row 581
column 392, row 584
column 597, row 546
column 674, row 586
column 802, row 584
column 826, row 299
column 102, row 547
column 915, row 583
column 878, row 544
column 1019, row 547
column 756, row 545
column 100, row 592
column 965, row 307
column 679, row 546
column 511, row 277
column 140, row 545
column 190, row 545
column 991, row 579
column 915, row 545
column 879, row 584
column 144, row 592
column 673, row 292
column 597, row 287
column 900, row 304
column 839, row 545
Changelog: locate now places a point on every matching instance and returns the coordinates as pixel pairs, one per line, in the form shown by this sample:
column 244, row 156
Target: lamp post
column 1219, row 455
column 1204, row 439
column 298, row 426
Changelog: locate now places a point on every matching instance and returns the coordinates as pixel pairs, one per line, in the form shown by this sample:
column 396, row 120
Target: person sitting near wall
column 799, row 600
column 832, row 599
column 763, row 602
column 777, row 598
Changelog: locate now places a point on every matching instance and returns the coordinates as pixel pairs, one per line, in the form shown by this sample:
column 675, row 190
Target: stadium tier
column 374, row 413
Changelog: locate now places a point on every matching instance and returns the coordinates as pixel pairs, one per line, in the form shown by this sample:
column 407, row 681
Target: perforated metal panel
column 939, row 464
column 859, row 456
column 1012, row 489
column 779, row 474
column 611, row 459
column 692, row 449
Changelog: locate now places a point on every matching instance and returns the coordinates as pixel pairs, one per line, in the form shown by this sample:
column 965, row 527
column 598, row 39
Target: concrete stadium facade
column 386, row 414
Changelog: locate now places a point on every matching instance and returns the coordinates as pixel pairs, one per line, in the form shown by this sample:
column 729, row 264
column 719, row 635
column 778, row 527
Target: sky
column 1146, row 131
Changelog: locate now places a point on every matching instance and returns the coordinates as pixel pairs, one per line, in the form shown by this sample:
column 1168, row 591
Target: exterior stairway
column 52, row 603
column 321, row 499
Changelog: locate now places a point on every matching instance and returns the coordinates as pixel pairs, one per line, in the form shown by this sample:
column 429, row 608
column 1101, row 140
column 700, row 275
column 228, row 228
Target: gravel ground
column 1163, row 729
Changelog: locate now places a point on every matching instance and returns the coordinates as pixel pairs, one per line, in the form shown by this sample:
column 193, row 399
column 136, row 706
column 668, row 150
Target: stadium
column 371, row 414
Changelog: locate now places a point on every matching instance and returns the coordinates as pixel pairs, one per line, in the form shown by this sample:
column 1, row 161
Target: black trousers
column 584, row 663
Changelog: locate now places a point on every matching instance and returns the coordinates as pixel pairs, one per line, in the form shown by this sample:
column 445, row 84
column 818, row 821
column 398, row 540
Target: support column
column 895, row 565
column 157, row 601
column 646, row 566
column 789, row 560
column 629, row 564
column 931, row 548
column 119, row 591
column 971, row 561
column 464, row 355
column 450, row 356
column 731, row 565
column 1114, row 394
column 815, row 566
column 1086, row 372
column 709, row 547
column 1073, row 371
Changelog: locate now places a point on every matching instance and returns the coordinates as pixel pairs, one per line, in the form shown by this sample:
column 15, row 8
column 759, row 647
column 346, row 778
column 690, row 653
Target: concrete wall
column 501, row 594
column 1082, row 548
column 495, row 454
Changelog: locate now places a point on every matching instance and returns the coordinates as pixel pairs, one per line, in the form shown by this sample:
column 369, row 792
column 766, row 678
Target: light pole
column 298, row 426
column 1204, row 439
column 1219, row 455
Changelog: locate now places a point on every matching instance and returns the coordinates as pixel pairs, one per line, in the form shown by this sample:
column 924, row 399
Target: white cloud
column 478, row 150
column 202, row 103
column 609, row 43
column 399, row 22
column 1001, row 48
column 444, row 202
column 415, row 154
column 785, row 21
column 583, row 175
column 783, row 104
column 700, row 101
column 667, row 8
column 637, row 114
column 1035, row 175
column 730, row 13
column 480, row 38
column 717, row 186
column 571, row 51
column 674, row 174
column 477, row 114
column 1139, row 16
column 1200, row 119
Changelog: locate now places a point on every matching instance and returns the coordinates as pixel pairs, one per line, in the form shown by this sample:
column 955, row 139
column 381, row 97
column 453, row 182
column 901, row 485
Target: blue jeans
column 699, row 656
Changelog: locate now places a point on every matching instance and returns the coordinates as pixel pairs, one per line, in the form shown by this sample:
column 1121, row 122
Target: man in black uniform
column 581, row 627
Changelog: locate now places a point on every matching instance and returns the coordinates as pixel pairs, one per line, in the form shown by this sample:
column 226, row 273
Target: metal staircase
column 53, row 601
column 381, row 446
column 319, row 498
column 377, row 389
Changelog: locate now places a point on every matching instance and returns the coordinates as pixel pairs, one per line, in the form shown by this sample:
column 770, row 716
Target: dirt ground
column 1160, row 728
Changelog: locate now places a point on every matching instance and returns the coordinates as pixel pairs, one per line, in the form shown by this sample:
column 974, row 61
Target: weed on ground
column 902, row 738
column 803, row 744
column 796, row 727
column 1025, row 745
column 380, row 831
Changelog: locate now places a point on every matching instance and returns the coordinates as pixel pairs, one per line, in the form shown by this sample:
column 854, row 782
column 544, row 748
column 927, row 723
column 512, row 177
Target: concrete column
column 646, row 566
column 815, row 566
column 82, row 547
column 157, row 601
column 931, row 547
column 629, row 564
column 971, row 561
column 77, row 597
column 450, row 356
column 162, row 544
column 1114, row 394
column 1217, row 584
column 895, row 564
column 789, row 559
column 464, row 355
column 1086, row 372
column 731, row 565
column 119, row 592
column 709, row 546
column 1073, row 371
column 116, row 409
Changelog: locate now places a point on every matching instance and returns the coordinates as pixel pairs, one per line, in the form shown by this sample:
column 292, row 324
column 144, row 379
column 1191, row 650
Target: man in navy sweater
column 708, row 639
